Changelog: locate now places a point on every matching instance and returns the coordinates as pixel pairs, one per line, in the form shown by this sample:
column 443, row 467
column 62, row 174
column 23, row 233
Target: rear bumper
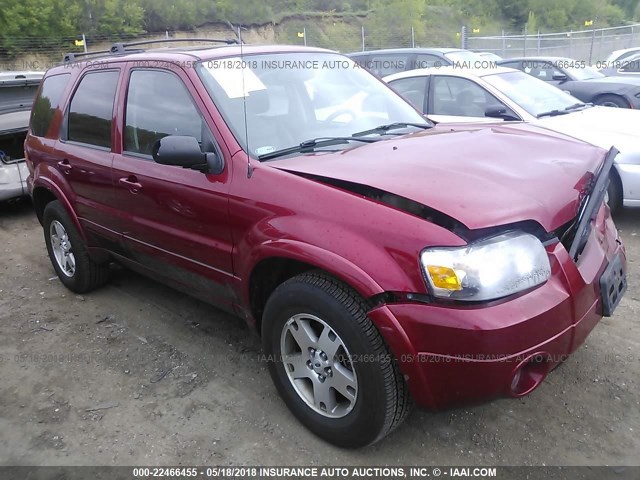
column 454, row 355
column 13, row 180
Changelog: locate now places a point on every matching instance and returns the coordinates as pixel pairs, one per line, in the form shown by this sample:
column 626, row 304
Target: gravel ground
column 136, row 373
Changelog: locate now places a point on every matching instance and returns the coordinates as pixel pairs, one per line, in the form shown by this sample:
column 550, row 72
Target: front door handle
column 65, row 166
column 131, row 182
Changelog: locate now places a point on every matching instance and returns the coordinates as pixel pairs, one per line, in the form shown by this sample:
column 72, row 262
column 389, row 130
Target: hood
column 613, row 79
column 601, row 126
column 480, row 176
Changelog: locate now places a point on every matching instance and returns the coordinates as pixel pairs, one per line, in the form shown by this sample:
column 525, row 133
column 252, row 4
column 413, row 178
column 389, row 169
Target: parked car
column 628, row 66
column 489, row 56
column 378, row 261
column 624, row 54
column 17, row 90
column 581, row 81
column 454, row 95
column 393, row 60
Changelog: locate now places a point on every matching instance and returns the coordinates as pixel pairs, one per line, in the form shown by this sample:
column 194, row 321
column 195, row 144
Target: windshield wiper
column 552, row 113
column 312, row 144
column 382, row 129
column 576, row 106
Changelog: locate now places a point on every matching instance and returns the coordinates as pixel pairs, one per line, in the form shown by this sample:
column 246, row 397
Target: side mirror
column 559, row 77
column 500, row 112
column 184, row 151
column 495, row 112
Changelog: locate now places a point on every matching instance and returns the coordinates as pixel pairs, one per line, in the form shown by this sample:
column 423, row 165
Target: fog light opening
column 529, row 374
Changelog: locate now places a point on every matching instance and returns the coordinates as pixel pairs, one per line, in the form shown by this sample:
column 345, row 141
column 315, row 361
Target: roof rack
column 121, row 47
column 72, row 57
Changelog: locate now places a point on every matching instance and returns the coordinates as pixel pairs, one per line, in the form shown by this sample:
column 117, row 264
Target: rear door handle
column 131, row 182
column 65, row 166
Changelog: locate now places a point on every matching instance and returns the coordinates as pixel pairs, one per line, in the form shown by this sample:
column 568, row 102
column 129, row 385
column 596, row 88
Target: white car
column 455, row 95
column 620, row 55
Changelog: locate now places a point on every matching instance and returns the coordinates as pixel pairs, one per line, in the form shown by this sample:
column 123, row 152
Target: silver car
column 17, row 91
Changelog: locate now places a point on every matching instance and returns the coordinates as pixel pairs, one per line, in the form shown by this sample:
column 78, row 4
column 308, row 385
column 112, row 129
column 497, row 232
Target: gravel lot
column 136, row 373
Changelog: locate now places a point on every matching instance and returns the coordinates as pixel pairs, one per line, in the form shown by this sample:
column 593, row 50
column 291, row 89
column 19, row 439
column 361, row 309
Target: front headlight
column 488, row 269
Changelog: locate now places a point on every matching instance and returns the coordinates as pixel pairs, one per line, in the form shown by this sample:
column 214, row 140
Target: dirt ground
column 136, row 373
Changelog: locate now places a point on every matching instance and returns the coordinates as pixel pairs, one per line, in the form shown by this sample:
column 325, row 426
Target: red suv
column 380, row 257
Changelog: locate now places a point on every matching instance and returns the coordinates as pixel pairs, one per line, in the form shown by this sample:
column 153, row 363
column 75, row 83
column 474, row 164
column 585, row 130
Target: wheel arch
column 45, row 192
column 610, row 94
column 281, row 260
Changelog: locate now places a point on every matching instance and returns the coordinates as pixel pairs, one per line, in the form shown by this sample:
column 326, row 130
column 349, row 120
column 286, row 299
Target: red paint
column 215, row 229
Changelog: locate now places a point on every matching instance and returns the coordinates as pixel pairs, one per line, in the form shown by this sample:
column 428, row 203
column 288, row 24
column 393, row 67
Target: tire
column 612, row 101
column 614, row 192
column 76, row 270
column 376, row 399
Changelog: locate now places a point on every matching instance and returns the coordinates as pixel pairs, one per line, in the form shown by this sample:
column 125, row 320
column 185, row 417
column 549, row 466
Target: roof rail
column 72, row 57
column 122, row 47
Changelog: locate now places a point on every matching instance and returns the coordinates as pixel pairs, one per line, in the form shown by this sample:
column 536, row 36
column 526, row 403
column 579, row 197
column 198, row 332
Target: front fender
column 323, row 259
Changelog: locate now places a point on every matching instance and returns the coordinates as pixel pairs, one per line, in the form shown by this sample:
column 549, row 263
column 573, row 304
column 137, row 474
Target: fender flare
column 43, row 182
column 330, row 262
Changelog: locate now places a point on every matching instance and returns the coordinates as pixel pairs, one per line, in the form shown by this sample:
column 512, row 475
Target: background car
column 388, row 61
column 581, row 81
column 489, row 56
column 619, row 55
column 17, row 91
column 453, row 95
column 628, row 66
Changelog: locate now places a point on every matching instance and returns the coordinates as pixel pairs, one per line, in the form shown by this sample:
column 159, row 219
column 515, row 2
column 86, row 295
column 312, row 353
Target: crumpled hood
column 602, row 126
column 481, row 176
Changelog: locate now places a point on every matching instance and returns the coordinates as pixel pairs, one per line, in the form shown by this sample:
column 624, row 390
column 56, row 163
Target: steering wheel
column 337, row 114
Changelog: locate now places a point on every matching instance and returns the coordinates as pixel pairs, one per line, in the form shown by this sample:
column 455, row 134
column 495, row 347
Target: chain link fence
column 592, row 45
column 35, row 53
column 589, row 45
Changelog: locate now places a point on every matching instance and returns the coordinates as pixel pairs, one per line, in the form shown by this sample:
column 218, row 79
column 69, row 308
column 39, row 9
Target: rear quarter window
column 47, row 102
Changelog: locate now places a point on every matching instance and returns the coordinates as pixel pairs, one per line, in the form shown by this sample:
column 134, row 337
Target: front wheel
column 614, row 101
column 329, row 362
column 68, row 253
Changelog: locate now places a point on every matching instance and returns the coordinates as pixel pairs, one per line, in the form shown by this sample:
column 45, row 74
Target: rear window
column 91, row 109
column 47, row 102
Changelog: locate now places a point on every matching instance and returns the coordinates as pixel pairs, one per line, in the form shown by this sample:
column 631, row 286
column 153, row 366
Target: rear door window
column 47, row 102
column 91, row 109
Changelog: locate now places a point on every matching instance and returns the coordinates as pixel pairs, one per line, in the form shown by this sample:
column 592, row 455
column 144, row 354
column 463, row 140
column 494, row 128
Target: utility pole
column 593, row 39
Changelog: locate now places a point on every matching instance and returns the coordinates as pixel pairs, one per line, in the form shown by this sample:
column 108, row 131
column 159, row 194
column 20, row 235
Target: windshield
column 293, row 97
column 585, row 73
column 535, row 96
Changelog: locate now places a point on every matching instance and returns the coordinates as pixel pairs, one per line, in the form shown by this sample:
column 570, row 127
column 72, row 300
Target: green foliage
column 25, row 23
column 392, row 20
column 629, row 7
column 45, row 19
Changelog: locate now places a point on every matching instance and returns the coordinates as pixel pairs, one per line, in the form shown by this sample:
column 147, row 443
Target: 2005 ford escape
column 380, row 257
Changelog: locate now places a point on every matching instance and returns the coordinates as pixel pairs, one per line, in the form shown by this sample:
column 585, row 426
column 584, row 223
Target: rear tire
column 614, row 101
column 314, row 324
column 68, row 253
